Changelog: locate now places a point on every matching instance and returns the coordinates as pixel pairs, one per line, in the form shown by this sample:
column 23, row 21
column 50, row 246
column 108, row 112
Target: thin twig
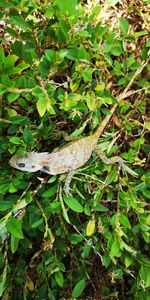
column 85, row 239
column 130, row 93
column 39, row 186
column 138, row 71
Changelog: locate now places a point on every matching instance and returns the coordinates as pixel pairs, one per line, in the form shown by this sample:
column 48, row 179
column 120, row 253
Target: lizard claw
column 126, row 169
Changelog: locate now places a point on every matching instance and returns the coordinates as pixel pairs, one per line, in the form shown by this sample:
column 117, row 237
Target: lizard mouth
column 12, row 161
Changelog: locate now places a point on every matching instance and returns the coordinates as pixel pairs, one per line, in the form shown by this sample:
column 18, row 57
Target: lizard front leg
column 65, row 135
column 67, row 182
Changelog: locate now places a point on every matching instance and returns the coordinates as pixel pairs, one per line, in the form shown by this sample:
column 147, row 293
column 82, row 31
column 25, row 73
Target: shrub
column 63, row 65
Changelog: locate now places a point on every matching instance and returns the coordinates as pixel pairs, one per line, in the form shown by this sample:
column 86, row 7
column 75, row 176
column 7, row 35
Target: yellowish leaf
column 147, row 125
column 41, row 106
column 90, row 227
column 30, row 284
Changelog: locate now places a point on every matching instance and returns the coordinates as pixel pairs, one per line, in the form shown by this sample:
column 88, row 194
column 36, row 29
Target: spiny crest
column 38, row 157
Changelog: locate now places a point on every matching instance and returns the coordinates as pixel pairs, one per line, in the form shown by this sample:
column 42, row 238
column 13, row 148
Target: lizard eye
column 21, row 165
column 32, row 167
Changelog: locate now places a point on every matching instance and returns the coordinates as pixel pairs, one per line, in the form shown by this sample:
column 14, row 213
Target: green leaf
column 116, row 50
column 146, row 193
column 4, row 187
column 14, row 226
column 146, row 276
column 37, row 223
column 41, row 106
column 124, row 25
column 124, row 221
column 14, row 243
column 71, row 54
column 100, row 207
column 112, row 175
column 106, row 111
column 28, row 52
column 10, row 62
column 3, row 89
column 64, row 209
column 87, row 74
column 4, row 205
column 20, row 22
column 12, row 113
column 147, row 125
column 50, row 192
column 68, row 9
column 2, row 55
column 78, row 289
column 73, row 204
column 147, row 284
column 74, row 97
column 82, row 53
column 90, row 102
column 135, row 66
column 148, row 43
column 59, row 278
column 12, row 189
column 18, row 69
column 49, row 11
column 140, row 33
column 49, row 106
column 50, row 55
column 20, row 120
column 11, row 31
column 148, row 220
column 106, row 260
column 16, row 141
column 115, row 248
column 44, row 67
column 17, row 48
column 11, row 97
column 128, row 261
column 127, row 247
column 27, row 135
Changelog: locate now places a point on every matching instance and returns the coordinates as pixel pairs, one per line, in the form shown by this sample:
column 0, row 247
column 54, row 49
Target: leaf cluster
column 63, row 64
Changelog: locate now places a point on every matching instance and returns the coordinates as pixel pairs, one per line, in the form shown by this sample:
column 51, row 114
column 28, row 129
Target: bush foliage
column 63, row 64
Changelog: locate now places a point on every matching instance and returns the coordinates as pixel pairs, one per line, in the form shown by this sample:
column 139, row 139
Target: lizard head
column 30, row 161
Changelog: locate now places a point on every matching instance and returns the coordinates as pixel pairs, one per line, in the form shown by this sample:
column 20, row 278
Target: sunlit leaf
column 14, row 227
column 90, row 228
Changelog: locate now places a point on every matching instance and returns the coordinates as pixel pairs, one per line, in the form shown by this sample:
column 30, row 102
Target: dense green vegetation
column 63, row 64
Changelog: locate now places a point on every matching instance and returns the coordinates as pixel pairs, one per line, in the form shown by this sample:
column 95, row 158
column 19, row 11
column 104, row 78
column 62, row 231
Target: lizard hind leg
column 65, row 135
column 67, row 182
column 106, row 160
column 115, row 159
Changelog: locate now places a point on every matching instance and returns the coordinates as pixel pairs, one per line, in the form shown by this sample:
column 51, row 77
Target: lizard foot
column 67, row 182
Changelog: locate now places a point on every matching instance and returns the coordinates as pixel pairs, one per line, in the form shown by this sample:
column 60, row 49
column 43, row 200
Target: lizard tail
column 103, row 124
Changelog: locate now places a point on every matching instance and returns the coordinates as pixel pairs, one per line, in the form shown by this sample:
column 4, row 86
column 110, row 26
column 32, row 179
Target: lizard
column 74, row 154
